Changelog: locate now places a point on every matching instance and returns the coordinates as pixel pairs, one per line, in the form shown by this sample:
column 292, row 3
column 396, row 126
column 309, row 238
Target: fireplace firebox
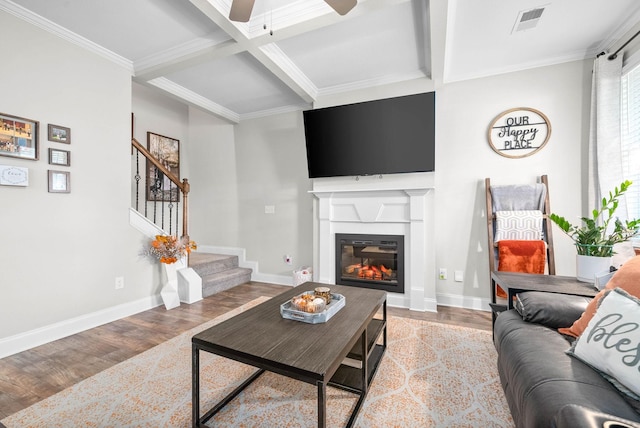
column 370, row 261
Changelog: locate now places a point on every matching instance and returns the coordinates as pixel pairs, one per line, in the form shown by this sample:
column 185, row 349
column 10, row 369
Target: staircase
column 218, row 272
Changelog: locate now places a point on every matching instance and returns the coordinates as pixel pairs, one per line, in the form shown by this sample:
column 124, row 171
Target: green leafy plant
column 592, row 237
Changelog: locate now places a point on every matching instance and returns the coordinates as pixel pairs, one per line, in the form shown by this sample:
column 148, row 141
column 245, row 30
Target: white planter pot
column 588, row 266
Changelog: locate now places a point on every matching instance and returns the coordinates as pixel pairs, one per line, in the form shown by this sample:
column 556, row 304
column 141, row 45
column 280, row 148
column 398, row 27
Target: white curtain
column 605, row 158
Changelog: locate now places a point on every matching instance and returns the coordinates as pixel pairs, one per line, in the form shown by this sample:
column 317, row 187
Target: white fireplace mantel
column 400, row 204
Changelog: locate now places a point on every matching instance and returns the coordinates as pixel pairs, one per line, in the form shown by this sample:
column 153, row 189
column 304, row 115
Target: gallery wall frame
column 59, row 181
column 167, row 151
column 59, row 157
column 59, row 134
column 14, row 176
column 19, row 137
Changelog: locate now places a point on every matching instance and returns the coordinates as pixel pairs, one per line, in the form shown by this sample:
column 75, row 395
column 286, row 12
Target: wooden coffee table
column 311, row 353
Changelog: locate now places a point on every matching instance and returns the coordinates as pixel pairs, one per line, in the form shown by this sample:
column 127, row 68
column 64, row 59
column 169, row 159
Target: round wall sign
column 519, row 132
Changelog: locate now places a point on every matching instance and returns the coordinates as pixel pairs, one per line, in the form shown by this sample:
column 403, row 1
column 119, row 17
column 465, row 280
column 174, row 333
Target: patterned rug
column 432, row 375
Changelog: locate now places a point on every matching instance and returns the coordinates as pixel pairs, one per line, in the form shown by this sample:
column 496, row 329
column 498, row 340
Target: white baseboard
column 466, row 302
column 30, row 339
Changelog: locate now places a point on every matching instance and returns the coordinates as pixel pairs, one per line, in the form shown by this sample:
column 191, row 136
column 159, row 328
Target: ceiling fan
column 241, row 9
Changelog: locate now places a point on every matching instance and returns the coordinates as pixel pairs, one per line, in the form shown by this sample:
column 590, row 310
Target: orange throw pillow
column 520, row 256
column 627, row 278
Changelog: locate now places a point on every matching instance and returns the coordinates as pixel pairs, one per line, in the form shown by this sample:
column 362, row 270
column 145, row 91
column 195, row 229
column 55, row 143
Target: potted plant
column 595, row 239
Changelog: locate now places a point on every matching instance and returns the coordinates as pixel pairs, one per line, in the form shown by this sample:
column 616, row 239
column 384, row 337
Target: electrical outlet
column 269, row 209
column 443, row 273
column 288, row 259
column 119, row 282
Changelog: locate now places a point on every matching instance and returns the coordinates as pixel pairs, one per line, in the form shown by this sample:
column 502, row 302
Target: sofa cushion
column 611, row 341
column 550, row 309
column 539, row 378
column 627, row 278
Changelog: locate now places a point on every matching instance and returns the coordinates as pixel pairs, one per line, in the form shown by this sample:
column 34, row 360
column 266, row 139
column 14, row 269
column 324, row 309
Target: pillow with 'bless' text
column 611, row 341
column 627, row 278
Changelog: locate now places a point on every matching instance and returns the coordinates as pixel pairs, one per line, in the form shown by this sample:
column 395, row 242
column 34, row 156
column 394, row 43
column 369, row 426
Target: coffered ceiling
column 293, row 54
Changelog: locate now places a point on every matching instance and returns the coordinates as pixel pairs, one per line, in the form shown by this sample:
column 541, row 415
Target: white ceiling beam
column 175, row 59
column 437, row 25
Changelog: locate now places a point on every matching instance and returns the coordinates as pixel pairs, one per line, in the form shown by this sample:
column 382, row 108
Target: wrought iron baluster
column 137, row 178
column 162, row 204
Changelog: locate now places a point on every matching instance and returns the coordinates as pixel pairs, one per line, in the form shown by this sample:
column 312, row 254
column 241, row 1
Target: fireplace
column 397, row 204
column 370, row 261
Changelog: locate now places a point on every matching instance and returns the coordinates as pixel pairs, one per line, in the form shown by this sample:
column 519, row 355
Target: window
column 630, row 134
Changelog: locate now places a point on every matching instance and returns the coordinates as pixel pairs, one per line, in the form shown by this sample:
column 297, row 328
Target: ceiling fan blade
column 241, row 10
column 342, row 6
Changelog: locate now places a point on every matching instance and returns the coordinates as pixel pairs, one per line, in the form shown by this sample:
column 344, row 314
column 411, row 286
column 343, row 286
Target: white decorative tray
column 337, row 302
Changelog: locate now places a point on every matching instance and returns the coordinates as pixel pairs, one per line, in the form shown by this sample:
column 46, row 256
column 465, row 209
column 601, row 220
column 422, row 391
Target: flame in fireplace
column 370, row 271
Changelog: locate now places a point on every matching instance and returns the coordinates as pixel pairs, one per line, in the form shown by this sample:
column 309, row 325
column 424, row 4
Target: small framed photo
column 59, row 134
column 59, row 157
column 18, row 137
column 59, row 182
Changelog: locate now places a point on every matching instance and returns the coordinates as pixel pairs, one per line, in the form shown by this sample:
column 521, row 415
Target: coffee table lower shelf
column 349, row 378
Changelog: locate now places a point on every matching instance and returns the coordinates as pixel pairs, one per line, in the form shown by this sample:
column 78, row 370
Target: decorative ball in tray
column 313, row 307
column 308, row 302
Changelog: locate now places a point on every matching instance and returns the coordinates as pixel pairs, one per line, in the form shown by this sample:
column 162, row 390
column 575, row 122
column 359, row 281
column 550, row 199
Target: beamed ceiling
column 190, row 50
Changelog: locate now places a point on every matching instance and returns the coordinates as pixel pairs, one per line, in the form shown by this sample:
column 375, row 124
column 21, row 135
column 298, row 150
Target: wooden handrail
column 151, row 158
column 184, row 186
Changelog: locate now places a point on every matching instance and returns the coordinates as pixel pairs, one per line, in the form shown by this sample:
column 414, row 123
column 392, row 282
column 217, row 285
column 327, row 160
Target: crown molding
column 53, row 28
column 371, row 83
column 575, row 56
column 194, row 99
column 272, row 112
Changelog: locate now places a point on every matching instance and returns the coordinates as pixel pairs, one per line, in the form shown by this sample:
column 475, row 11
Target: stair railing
column 159, row 202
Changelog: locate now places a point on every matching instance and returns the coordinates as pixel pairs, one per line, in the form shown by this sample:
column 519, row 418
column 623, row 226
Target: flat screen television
column 388, row 136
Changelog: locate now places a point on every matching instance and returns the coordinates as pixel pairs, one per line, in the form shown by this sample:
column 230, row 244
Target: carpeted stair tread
column 207, row 263
column 216, row 282
column 219, row 272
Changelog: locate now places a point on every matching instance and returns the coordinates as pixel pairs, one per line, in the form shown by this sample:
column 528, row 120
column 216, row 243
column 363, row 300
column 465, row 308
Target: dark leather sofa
column 543, row 385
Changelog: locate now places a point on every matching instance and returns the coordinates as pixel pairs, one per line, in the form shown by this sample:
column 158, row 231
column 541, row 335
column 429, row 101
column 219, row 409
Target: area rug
column 432, row 375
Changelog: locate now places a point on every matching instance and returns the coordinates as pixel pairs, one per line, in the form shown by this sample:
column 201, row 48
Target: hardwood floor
column 33, row 375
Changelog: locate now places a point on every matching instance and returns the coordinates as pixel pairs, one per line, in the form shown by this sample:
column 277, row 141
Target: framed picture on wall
column 167, row 151
column 18, row 137
column 59, row 134
column 59, row 181
column 59, row 157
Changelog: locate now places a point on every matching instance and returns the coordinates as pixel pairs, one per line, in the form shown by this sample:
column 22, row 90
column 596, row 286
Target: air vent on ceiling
column 527, row 19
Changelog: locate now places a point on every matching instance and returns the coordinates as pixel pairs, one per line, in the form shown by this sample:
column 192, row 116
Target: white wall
column 464, row 159
column 213, row 202
column 60, row 253
column 272, row 170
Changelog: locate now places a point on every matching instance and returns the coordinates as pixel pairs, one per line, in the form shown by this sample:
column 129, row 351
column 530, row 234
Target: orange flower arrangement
column 168, row 249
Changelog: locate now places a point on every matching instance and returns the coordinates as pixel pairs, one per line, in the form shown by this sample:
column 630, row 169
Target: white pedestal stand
column 169, row 292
